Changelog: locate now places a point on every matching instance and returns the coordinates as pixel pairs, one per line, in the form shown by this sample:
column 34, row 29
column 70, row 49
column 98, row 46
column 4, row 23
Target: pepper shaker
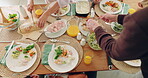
column 82, row 42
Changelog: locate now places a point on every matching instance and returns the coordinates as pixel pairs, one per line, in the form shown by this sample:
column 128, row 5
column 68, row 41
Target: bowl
column 92, row 42
column 11, row 25
column 117, row 27
column 57, row 33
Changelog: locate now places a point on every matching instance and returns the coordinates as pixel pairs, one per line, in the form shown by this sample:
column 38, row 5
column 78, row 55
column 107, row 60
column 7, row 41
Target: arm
column 47, row 13
column 30, row 4
column 130, row 45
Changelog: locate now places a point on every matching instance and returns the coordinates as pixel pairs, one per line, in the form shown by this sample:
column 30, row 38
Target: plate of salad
column 63, row 58
column 111, row 6
column 92, row 42
column 21, row 57
column 116, row 27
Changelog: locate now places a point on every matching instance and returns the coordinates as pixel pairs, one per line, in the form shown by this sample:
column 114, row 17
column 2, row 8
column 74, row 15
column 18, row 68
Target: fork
column 55, row 40
column 4, row 19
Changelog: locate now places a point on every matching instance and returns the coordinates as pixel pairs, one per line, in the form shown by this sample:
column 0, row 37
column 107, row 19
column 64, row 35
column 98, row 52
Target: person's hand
column 42, row 20
column 96, row 1
column 109, row 18
column 30, row 5
column 92, row 24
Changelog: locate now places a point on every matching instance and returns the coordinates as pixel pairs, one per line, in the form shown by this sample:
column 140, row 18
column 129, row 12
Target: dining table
column 99, row 60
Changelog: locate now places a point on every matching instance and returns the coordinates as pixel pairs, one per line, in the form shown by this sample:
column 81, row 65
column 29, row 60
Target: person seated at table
column 48, row 12
column 133, row 41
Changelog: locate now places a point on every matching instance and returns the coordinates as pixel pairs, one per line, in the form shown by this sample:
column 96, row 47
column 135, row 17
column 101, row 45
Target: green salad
column 92, row 42
column 117, row 27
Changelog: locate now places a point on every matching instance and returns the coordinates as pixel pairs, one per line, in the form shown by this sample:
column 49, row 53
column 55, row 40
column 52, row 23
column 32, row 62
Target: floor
column 100, row 74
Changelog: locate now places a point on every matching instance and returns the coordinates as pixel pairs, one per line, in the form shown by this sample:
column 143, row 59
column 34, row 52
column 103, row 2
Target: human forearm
column 52, row 9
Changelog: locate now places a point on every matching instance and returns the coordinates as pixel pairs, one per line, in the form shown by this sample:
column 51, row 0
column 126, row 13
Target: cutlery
column 4, row 19
column 55, row 40
column 110, row 65
column 3, row 59
column 42, row 41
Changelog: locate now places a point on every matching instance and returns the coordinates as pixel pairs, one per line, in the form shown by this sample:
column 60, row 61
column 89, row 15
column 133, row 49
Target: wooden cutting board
column 35, row 34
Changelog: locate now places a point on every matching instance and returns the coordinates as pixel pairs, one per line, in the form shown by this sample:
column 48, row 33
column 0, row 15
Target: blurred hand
column 109, row 18
column 42, row 20
column 97, row 1
column 30, row 5
column 92, row 24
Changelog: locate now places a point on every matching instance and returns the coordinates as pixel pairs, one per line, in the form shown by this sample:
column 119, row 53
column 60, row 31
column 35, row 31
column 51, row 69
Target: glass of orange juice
column 88, row 56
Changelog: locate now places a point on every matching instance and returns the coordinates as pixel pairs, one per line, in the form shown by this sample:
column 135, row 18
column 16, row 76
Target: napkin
column 72, row 10
column 47, row 49
column 125, row 8
column 6, row 48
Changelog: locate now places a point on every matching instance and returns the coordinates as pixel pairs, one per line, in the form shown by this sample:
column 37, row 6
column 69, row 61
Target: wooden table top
column 99, row 61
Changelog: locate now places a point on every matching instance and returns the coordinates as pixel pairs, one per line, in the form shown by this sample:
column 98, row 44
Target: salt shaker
column 92, row 12
column 82, row 42
column 79, row 36
column 23, row 12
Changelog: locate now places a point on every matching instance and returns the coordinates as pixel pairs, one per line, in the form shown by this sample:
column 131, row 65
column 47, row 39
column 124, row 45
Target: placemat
column 125, row 67
column 6, row 73
column 73, row 42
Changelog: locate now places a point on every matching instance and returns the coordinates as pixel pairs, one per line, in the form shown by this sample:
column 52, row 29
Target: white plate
column 104, row 1
column 64, row 67
column 85, row 33
column 136, row 63
column 15, row 65
column 57, row 34
column 68, row 9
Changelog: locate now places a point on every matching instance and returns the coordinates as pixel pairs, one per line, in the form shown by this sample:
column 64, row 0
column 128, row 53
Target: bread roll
column 28, row 27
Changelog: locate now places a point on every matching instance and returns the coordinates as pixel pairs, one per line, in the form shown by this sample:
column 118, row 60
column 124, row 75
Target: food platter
column 69, row 61
column 135, row 63
column 18, row 61
column 84, row 32
column 111, row 6
column 62, row 11
column 58, row 33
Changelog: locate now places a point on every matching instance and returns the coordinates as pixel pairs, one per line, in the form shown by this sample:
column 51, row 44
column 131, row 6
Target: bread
column 28, row 27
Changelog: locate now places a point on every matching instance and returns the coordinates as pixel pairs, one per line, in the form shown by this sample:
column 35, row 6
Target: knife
column 110, row 65
column 32, row 18
column 3, row 59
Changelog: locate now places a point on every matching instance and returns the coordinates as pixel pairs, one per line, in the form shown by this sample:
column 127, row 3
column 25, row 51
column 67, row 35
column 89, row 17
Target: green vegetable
column 14, row 20
column 25, row 56
column 91, row 39
column 104, row 5
column 58, row 52
column 15, row 54
column 117, row 27
column 12, row 15
column 28, row 48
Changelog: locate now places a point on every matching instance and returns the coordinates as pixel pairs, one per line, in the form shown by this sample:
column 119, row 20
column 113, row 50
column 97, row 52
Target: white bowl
column 58, row 33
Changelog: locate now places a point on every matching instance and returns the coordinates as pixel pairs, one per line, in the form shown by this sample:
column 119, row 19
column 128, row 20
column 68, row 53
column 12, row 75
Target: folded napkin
column 72, row 10
column 47, row 49
column 6, row 48
column 125, row 8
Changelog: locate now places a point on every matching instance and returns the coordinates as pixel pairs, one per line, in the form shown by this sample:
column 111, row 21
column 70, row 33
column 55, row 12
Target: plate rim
column 131, row 64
